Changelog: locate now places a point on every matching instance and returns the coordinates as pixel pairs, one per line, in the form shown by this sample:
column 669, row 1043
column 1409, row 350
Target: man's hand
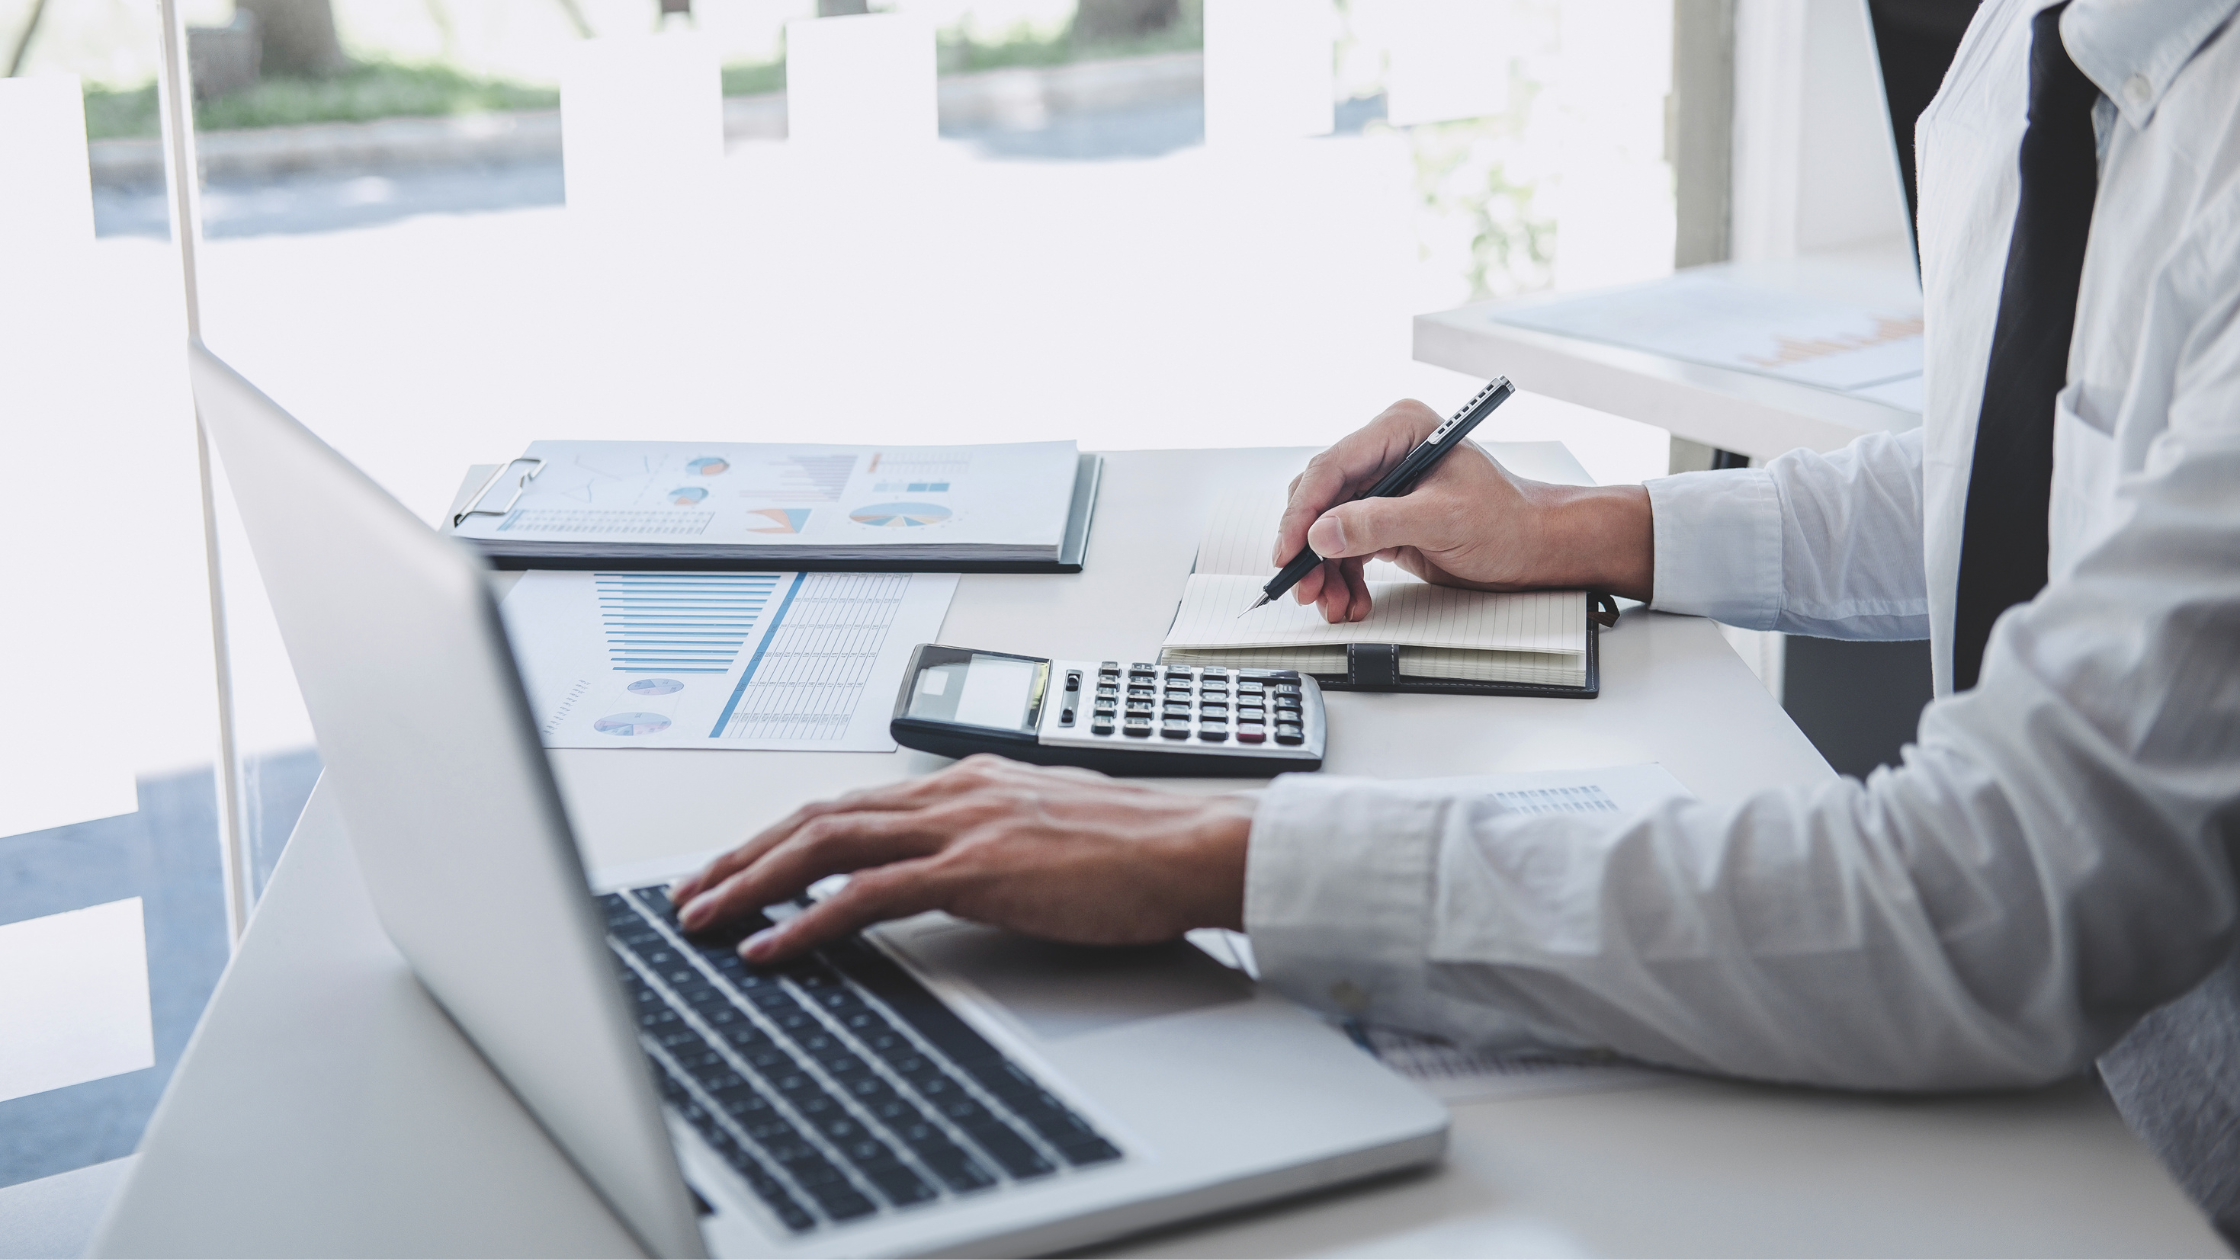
column 1470, row 523
column 1067, row 855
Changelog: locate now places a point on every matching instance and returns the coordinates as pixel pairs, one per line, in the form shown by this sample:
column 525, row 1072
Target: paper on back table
column 750, row 660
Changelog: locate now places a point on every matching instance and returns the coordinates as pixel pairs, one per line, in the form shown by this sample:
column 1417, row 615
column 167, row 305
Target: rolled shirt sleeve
column 1825, row 545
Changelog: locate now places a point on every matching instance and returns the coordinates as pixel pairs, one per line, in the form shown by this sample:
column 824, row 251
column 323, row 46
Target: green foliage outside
column 1023, row 46
column 1476, row 181
column 389, row 89
column 368, row 90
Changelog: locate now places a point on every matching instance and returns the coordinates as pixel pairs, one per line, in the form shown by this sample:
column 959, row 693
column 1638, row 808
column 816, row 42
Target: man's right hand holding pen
column 1470, row 522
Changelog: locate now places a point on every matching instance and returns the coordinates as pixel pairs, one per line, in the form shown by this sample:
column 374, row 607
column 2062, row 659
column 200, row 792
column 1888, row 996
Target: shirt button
column 2137, row 89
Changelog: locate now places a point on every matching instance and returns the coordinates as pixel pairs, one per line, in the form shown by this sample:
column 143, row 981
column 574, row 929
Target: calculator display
column 984, row 689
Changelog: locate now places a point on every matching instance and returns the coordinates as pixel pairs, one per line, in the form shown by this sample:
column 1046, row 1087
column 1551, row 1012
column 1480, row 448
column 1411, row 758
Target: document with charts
column 771, row 502
column 1444, row 634
column 776, row 660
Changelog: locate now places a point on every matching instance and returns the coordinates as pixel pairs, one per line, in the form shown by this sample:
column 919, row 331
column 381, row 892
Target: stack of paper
column 779, row 504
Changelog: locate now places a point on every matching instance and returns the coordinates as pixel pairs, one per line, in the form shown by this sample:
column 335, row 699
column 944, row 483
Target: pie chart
column 654, row 687
column 900, row 514
column 687, row 496
column 627, row 724
column 781, row 520
column 709, row 465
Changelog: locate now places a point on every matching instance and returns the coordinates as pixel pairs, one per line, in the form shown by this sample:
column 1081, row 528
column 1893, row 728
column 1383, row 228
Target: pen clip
column 1477, row 400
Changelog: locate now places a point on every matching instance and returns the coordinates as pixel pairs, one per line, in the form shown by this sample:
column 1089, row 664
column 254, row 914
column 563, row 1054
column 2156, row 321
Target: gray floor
column 167, row 855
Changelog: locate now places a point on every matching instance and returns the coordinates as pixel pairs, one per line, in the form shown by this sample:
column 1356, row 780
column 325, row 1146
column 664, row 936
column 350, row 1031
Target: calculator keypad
column 1260, row 709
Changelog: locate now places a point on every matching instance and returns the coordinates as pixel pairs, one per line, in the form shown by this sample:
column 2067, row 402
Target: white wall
column 70, row 481
column 1815, row 164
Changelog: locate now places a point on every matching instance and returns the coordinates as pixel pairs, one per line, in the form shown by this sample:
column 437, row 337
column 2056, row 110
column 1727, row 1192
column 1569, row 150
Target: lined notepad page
column 1412, row 613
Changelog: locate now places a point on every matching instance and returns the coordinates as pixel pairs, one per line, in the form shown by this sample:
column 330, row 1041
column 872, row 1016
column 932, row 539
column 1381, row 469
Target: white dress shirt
column 2057, row 855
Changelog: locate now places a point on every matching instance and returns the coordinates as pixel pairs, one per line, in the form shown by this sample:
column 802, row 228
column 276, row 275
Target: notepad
column 1439, row 637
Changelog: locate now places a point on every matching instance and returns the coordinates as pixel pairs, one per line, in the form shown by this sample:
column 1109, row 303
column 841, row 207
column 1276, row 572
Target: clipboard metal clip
column 520, row 488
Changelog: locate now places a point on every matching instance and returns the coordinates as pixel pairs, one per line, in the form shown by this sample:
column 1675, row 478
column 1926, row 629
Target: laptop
column 927, row 1087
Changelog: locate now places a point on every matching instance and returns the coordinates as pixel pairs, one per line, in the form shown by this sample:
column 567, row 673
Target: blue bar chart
column 681, row 623
column 748, row 661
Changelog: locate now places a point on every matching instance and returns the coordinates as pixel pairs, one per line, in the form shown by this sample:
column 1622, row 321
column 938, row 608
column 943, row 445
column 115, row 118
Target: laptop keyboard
column 836, row 1086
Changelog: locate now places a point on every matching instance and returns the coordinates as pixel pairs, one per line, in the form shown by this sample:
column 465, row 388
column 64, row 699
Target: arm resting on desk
column 1826, row 545
column 2055, row 859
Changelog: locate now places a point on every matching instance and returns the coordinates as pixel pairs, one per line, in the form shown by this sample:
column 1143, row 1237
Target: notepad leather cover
column 1376, row 667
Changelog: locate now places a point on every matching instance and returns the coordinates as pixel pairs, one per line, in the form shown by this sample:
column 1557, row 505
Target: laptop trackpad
column 1061, row 991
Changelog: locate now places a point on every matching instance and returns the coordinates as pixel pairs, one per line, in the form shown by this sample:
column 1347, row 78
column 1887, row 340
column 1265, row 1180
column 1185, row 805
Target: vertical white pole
column 183, row 176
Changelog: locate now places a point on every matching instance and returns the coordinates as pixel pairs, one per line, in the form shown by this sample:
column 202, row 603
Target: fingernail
column 759, row 946
column 695, row 912
column 1333, row 534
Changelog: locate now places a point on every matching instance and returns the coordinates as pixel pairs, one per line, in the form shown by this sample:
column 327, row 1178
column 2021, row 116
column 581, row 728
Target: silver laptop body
column 947, row 1088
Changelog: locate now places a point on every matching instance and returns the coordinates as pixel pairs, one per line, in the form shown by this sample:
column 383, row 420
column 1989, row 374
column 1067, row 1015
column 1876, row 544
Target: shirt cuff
column 1338, row 895
column 1718, row 541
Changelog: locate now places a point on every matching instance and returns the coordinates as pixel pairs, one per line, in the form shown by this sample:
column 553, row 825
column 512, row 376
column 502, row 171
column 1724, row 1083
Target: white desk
column 327, row 1107
column 1733, row 410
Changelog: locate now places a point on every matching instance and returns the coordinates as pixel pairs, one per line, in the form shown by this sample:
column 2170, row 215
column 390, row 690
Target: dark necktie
column 2003, row 542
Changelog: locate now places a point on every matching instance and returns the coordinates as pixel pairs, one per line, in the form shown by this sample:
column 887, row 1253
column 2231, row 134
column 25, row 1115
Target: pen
column 1404, row 475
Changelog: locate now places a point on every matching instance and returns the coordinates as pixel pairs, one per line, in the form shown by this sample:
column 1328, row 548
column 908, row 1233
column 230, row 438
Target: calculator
column 1135, row 719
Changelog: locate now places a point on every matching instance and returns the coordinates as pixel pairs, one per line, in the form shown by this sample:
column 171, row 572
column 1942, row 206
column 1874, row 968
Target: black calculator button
column 1215, row 671
column 1290, row 735
column 1211, row 709
column 1287, row 689
column 1137, row 727
column 1108, row 666
column 1288, row 702
column 1213, row 690
column 1213, row 732
column 1141, row 693
column 1073, row 680
column 1251, row 733
column 1251, row 713
column 1175, row 728
column 1250, row 688
column 1140, row 706
column 1175, row 708
column 1102, row 726
column 1065, row 717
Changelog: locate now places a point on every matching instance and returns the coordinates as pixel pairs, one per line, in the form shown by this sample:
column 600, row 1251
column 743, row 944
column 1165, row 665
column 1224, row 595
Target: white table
column 327, row 1107
column 1733, row 410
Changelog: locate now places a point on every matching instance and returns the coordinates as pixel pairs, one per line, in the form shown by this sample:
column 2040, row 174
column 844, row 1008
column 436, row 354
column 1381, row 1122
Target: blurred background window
column 1138, row 223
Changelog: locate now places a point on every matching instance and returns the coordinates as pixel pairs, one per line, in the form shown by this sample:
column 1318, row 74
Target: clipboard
column 483, row 480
